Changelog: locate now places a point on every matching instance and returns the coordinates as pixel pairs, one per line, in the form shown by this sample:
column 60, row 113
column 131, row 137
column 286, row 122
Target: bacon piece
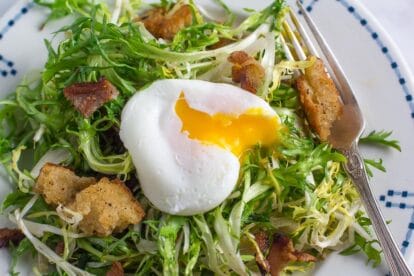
column 320, row 99
column 282, row 252
column 87, row 97
column 10, row 235
column 116, row 270
column 263, row 241
column 246, row 71
column 166, row 24
column 304, row 257
column 221, row 43
column 60, row 248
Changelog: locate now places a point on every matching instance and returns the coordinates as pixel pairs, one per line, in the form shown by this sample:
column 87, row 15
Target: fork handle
column 356, row 171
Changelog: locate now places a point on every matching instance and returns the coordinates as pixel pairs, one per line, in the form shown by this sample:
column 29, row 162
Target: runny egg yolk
column 236, row 133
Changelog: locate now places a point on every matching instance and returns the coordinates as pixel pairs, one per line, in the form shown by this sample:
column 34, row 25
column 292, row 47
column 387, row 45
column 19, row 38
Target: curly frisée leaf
column 370, row 248
column 24, row 179
column 62, row 8
column 328, row 213
column 375, row 164
column 41, row 247
column 120, row 164
column 228, row 244
column 192, row 254
column 286, row 67
column 213, row 259
column 167, row 243
column 381, row 138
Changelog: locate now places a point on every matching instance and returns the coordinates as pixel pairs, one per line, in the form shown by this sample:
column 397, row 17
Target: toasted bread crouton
column 87, row 97
column 246, row 71
column 320, row 99
column 107, row 206
column 59, row 185
column 166, row 24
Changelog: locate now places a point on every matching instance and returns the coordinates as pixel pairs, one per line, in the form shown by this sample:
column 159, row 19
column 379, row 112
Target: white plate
column 370, row 60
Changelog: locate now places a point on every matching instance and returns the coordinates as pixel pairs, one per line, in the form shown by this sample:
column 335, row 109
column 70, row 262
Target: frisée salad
column 165, row 139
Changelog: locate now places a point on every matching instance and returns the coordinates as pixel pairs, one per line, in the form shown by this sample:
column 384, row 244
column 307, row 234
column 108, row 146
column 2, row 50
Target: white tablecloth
column 397, row 18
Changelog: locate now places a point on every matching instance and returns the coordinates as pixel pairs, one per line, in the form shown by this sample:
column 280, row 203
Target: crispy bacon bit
column 319, row 98
column 282, row 252
column 221, row 43
column 304, row 257
column 262, row 240
column 60, row 248
column 165, row 24
column 10, row 235
column 87, row 97
column 246, row 71
column 116, row 270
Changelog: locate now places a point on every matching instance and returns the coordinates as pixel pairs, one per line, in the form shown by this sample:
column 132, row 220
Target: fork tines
column 296, row 42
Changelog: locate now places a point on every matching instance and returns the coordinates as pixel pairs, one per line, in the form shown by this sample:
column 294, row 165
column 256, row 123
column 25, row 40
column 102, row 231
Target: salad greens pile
column 298, row 188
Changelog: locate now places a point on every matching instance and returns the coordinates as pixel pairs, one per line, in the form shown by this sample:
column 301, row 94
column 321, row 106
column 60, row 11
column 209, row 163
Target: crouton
column 87, row 97
column 166, row 24
column 320, row 99
column 107, row 207
column 246, row 71
column 59, row 185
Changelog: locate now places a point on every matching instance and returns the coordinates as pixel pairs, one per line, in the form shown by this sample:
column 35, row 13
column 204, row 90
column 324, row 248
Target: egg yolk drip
column 236, row 133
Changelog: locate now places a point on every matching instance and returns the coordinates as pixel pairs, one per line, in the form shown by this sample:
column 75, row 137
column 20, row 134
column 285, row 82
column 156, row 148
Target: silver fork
column 346, row 131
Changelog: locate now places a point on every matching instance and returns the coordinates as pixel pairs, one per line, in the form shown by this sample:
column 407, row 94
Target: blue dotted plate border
column 7, row 67
column 393, row 200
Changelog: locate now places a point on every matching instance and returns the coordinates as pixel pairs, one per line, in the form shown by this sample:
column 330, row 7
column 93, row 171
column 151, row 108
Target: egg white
column 177, row 174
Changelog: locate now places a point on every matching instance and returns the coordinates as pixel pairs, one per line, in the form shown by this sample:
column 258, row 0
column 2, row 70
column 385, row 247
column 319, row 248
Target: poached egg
column 185, row 138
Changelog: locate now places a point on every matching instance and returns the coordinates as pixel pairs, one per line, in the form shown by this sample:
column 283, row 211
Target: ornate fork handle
column 356, row 171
